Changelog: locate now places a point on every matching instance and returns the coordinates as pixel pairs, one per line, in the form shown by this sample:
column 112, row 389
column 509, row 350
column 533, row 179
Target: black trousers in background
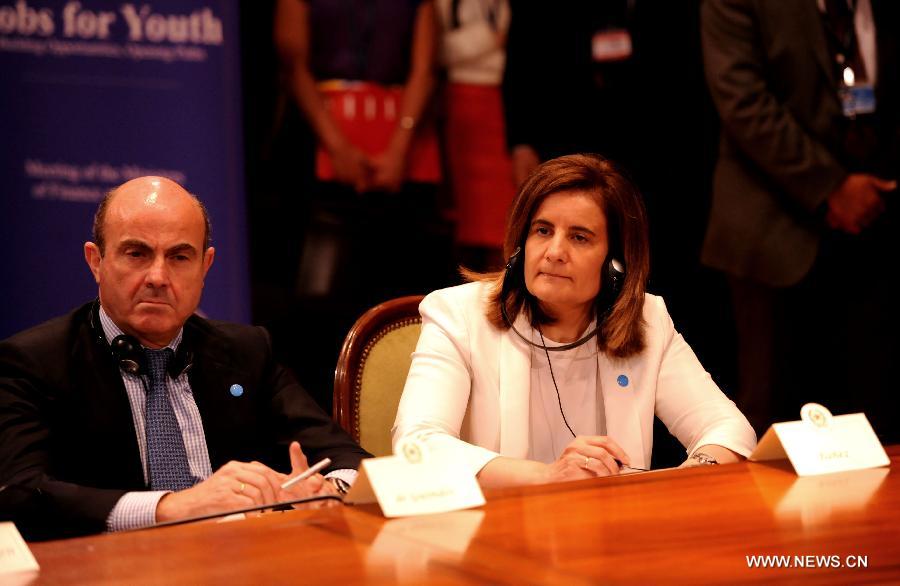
column 831, row 339
column 366, row 248
column 355, row 251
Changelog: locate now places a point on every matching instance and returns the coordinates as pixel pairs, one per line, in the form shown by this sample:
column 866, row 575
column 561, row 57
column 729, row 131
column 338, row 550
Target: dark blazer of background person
column 68, row 449
column 812, row 284
column 775, row 85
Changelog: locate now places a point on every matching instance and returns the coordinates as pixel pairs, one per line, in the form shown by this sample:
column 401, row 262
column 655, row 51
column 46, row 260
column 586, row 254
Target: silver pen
column 306, row 473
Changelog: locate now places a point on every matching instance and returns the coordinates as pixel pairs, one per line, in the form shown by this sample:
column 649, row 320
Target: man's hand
column 239, row 485
column 315, row 485
column 235, row 485
column 857, row 202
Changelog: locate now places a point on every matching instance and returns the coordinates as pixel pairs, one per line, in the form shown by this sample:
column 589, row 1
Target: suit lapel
column 229, row 415
column 208, row 374
column 623, row 422
column 515, row 386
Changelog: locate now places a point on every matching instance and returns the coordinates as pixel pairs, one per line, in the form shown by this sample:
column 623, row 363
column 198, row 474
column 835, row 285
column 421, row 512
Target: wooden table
column 674, row 526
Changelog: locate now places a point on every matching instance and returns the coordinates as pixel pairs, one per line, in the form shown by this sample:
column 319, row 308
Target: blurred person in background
column 362, row 73
column 803, row 220
column 473, row 53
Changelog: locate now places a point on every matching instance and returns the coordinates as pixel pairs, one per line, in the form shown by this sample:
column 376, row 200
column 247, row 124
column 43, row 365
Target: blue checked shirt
column 138, row 508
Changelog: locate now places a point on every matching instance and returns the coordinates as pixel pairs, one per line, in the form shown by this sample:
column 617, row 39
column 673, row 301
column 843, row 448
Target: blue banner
column 94, row 93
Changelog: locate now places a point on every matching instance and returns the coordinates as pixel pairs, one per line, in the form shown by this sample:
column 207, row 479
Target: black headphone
column 611, row 279
column 129, row 354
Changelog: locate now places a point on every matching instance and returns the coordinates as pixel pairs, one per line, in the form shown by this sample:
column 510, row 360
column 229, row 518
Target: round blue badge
column 622, row 380
column 236, row 390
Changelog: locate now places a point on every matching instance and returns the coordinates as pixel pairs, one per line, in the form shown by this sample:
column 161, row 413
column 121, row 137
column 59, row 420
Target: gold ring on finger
column 241, row 490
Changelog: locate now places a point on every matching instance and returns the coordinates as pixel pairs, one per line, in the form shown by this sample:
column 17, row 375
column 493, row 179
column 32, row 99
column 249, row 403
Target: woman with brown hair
column 554, row 368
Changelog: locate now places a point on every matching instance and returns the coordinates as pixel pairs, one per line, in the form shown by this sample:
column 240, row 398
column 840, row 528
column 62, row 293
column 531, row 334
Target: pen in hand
column 306, row 473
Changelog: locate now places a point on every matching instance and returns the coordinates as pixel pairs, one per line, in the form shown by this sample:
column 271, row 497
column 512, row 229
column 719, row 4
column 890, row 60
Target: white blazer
column 467, row 393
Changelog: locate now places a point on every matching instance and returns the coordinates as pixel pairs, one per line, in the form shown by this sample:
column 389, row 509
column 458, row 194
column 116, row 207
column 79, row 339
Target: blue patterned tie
column 167, row 458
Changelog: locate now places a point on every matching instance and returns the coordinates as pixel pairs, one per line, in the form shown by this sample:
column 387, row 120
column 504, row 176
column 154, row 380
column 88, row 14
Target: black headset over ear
column 129, row 354
column 611, row 280
column 513, row 275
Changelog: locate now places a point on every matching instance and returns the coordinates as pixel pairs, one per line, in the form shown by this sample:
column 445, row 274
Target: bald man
column 132, row 410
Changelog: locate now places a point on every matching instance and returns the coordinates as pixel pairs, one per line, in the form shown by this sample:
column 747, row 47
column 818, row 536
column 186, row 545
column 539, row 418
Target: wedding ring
column 241, row 491
column 587, row 463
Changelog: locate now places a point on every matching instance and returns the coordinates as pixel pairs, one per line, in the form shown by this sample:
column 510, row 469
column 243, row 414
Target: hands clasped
column 587, row 456
column 238, row 485
column 385, row 171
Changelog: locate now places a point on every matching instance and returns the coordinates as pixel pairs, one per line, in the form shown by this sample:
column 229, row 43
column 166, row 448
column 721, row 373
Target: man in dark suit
column 131, row 410
column 802, row 219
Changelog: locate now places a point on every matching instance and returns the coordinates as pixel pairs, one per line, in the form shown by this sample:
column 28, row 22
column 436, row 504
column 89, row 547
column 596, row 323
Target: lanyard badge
column 856, row 98
column 855, row 91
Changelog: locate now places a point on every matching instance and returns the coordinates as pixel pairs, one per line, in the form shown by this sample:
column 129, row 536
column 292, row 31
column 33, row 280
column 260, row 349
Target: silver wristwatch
column 341, row 485
column 704, row 459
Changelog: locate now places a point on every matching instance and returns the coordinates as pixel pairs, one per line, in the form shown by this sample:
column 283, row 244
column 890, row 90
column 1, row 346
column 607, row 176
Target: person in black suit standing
column 802, row 219
column 133, row 410
column 569, row 82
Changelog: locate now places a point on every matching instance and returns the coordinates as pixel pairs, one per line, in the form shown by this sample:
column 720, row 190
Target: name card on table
column 415, row 482
column 821, row 443
column 16, row 561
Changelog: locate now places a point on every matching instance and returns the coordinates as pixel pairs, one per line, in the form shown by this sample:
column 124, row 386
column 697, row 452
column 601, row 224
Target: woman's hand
column 351, row 167
column 587, row 456
column 389, row 170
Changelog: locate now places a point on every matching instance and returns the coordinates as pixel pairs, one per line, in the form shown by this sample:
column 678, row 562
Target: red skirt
column 480, row 169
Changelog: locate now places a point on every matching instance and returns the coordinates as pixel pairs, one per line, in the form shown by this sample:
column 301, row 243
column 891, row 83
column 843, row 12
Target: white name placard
column 15, row 557
column 415, row 483
column 821, row 443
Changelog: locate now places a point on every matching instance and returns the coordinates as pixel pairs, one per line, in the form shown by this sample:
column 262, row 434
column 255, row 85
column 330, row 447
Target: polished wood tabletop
column 697, row 525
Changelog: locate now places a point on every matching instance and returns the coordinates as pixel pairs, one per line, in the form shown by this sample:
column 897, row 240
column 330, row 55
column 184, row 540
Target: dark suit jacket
column 774, row 84
column 68, row 448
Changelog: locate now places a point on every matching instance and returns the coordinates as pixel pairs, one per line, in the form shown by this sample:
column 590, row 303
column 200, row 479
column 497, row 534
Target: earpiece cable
column 555, row 386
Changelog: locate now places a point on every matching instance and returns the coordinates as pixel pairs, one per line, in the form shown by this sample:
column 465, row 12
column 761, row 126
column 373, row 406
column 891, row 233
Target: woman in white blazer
column 554, row 368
